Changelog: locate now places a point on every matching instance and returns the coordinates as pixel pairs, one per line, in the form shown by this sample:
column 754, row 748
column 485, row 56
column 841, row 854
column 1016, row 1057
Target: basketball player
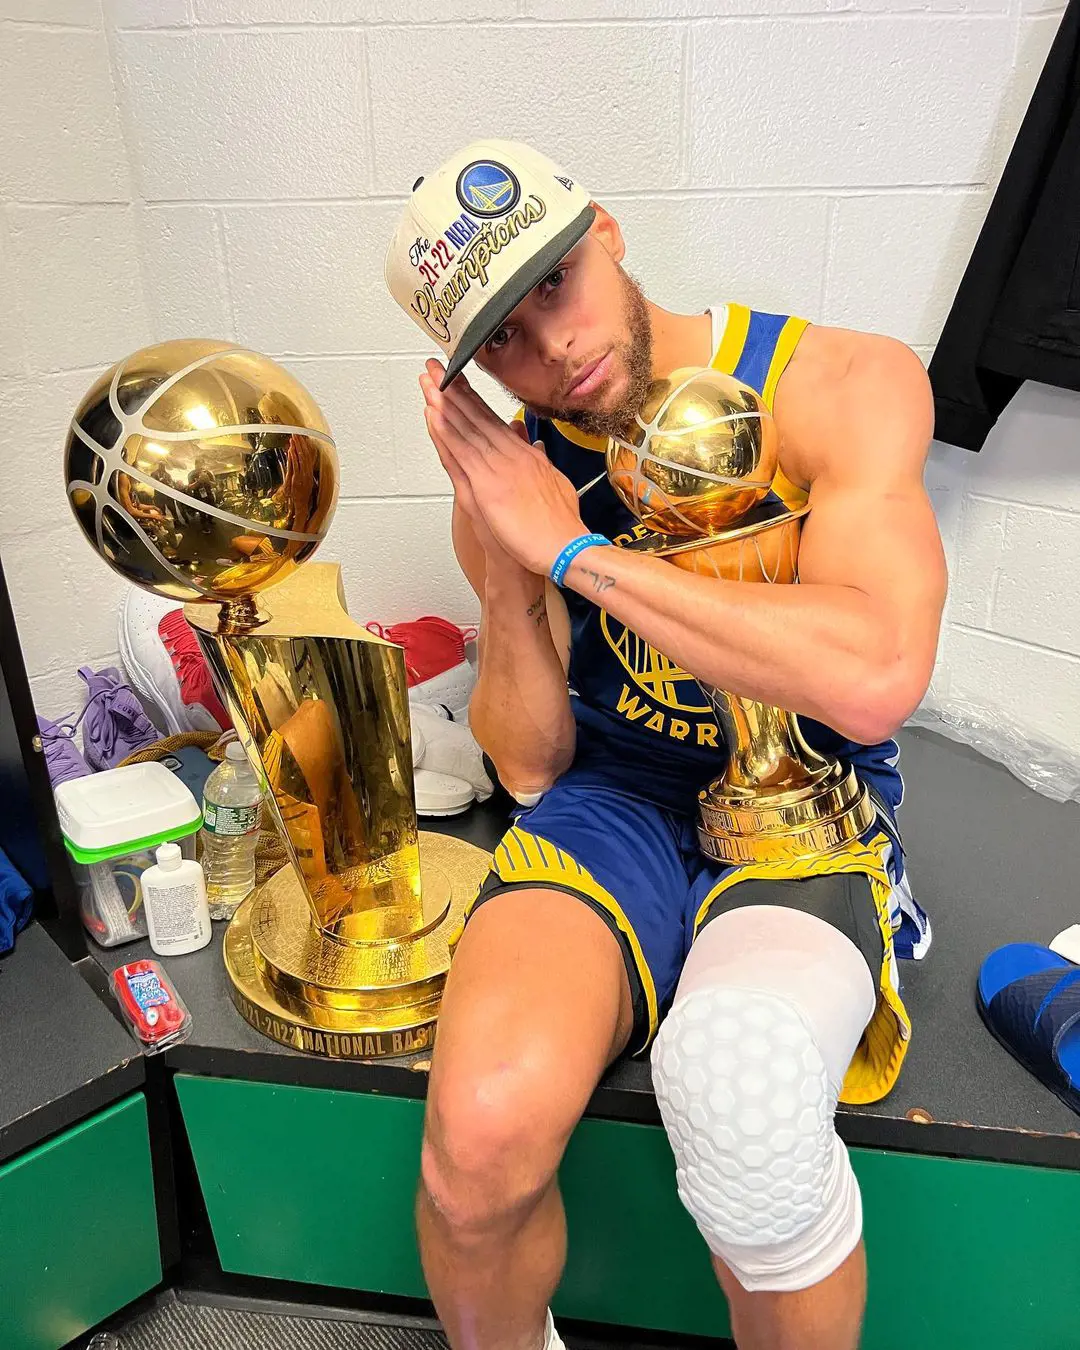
column 602, row 929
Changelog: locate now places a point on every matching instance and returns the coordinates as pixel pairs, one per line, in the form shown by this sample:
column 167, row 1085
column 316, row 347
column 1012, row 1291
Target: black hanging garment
column 1016, row 315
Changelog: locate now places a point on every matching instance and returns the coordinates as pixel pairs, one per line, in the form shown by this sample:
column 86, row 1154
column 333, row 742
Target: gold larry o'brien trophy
column 696, row 470
column 205, row 472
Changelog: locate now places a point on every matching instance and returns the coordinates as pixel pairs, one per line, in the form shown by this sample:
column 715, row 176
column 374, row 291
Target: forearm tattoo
column 600, row 583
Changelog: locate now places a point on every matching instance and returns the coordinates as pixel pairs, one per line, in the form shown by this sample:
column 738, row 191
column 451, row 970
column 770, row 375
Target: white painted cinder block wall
column 233, row 168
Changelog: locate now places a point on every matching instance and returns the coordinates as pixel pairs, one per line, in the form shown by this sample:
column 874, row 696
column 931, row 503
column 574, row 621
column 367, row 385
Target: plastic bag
column 1042, row 764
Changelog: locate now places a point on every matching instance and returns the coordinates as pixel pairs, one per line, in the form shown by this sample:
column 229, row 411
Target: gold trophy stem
column 778, row 800
column 766, row 746
column 239, row 615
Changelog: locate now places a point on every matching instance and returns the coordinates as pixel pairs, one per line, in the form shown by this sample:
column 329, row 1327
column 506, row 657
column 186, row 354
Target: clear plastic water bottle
column 230, row 832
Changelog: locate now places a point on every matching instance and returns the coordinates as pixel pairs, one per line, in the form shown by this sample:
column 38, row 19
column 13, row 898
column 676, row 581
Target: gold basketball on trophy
column 198, row 469
column 701, row 453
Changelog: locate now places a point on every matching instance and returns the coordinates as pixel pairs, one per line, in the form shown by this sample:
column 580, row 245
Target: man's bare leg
column 827, row 1316
column 537, row 1004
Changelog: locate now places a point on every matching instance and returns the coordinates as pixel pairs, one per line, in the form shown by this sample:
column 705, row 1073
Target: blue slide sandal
column 1029, row 997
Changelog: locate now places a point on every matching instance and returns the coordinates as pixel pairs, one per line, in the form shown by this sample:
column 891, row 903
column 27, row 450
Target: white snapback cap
column 476, row 236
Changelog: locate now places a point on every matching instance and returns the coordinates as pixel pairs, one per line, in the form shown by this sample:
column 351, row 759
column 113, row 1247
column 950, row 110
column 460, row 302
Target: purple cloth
column 115, row 724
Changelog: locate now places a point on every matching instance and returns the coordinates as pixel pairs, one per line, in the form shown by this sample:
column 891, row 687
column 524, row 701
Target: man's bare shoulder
column 831, row 354
column 849, row 402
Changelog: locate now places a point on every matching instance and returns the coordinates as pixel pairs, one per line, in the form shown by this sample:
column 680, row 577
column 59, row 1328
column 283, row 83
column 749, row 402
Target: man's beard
column 636, row 357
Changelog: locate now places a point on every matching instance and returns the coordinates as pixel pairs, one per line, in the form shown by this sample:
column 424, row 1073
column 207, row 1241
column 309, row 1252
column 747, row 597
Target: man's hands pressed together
column 513, row 514
column 517, row 502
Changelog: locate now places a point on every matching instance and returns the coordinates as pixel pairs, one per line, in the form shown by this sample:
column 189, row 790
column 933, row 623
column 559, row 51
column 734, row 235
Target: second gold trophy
column 697, row 471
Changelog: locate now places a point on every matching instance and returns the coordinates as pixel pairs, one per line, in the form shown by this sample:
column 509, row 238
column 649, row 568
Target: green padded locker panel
column 317, row 1185
column 78, row 1229
column 308, row 1183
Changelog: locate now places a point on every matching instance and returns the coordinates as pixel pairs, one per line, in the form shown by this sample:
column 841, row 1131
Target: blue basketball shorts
column 639, row 867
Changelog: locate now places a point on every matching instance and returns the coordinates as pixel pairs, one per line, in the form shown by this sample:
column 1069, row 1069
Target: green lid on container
column 96, row 855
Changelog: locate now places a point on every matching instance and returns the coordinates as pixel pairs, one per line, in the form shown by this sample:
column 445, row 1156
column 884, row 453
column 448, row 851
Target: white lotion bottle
column 174, row 899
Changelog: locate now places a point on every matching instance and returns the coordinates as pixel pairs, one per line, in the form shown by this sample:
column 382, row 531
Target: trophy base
column 367, row 1000
column 808, row 821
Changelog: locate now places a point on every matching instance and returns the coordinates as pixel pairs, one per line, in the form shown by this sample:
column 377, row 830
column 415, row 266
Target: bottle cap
column 235, row 751
column 169, row 857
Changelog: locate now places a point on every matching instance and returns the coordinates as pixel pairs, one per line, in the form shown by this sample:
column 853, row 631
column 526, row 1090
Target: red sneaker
column 165, row 664
column 435, row 663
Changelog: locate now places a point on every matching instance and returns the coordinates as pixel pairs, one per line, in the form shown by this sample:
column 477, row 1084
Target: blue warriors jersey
column 644, row 725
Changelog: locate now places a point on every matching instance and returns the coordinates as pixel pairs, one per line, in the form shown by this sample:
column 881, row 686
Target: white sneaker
column 165, row 664
column 441, row 794
column 447, row 747
column 451, row 689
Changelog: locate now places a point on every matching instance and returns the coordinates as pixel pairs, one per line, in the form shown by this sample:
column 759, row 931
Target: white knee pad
column 747, row 1097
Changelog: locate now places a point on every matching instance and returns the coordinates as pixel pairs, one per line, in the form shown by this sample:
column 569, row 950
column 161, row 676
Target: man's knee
column 746, row 1101
column 491, row 1149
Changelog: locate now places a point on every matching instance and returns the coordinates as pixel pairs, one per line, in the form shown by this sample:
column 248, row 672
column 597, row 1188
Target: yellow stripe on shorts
column 523, row 856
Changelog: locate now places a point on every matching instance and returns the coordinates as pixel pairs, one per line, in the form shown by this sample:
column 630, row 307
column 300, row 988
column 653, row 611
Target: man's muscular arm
column 520, row 710
column 852, row 645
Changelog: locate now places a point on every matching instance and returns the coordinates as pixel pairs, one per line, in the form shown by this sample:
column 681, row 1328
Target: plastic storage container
column 112, row 822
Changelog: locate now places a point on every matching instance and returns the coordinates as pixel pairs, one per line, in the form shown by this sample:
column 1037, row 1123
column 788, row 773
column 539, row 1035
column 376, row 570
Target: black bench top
column 63, row 1055
column 991, row 860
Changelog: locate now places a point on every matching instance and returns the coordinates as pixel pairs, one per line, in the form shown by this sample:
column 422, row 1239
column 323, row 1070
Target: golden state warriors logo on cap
column 473, row 233
column 487, row 189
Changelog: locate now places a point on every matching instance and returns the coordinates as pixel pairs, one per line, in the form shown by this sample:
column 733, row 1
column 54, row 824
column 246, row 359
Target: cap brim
column 507, row 298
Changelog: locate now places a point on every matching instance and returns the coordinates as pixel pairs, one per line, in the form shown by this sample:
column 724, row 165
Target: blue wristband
column 570, row 552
